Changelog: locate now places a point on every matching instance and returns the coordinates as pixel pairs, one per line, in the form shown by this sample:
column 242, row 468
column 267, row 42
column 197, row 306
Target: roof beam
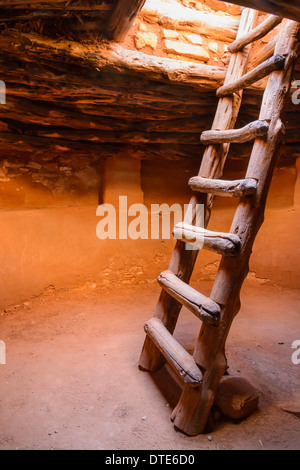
column 283, row 8
column 123, row 17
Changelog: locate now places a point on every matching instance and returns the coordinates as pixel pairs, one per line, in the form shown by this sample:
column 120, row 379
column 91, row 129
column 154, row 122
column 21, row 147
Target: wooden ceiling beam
column 113, row 58
column 54, row 4
column 123, row 17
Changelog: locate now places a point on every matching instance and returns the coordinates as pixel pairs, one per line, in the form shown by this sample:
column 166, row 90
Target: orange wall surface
column 48, row 241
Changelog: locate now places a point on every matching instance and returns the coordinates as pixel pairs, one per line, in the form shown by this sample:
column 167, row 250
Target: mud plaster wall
column 49, row 239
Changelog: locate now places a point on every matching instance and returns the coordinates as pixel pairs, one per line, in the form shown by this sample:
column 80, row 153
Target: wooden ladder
column 201, row 373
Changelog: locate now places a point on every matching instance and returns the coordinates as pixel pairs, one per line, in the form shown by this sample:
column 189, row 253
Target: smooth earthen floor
column 72, row 380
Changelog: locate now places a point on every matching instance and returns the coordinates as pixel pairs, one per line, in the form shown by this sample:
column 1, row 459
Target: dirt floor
column 72, row 381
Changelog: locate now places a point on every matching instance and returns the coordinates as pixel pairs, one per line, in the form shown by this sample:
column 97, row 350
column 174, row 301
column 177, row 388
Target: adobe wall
column 50, row 239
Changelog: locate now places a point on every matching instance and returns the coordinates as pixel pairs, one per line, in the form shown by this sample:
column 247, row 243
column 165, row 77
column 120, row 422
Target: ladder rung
column 276, row 62
column 181, row 361
column 236, row 188
column 226, row 244
column 203, row 307
column 257, row 33
column 245, row 134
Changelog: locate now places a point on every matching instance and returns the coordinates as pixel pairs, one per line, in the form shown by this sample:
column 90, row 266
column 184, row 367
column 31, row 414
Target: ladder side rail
column 192, row 411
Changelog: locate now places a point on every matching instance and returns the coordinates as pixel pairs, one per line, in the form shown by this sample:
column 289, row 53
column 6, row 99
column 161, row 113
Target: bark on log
column 29, row 15
column 246, row 134
column 281, row 8
column 59, row 4
column 123, row 17
column 112, row 58
column 86, row 135
column 274, row 63
column 237, row 188
column 19, row 111
column 236, row 398
column 199, row 304
column 226, row 244
column 176, row 16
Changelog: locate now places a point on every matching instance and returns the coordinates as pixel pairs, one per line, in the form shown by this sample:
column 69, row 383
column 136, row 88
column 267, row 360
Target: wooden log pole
column 190, row 20
column 236, row 188
column 203, row 307
column 192, row 411
column 123, row 18
column 246, row 134
column 59, row 4
column 261, row 71
column 226, row 244
column 257, row 33
column 181, row 361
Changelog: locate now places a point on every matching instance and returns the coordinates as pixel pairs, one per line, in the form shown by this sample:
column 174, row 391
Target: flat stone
column 170, row 34
column 144, row 39
column 213, row 47
column 142, row 27
column 194, row 38
column 188, row 50
column 236, row 398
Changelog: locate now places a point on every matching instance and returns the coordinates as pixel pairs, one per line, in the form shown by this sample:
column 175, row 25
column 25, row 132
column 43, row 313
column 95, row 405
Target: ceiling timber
column 82, row 100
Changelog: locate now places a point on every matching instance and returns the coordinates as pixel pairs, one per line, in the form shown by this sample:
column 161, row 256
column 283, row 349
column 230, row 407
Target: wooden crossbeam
column 226, row 244
column 192, row 411
column 236, row 188
column 197, row 303
column 257, row 33
column 181, row 361
column 246, row 134
column 177, row 16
